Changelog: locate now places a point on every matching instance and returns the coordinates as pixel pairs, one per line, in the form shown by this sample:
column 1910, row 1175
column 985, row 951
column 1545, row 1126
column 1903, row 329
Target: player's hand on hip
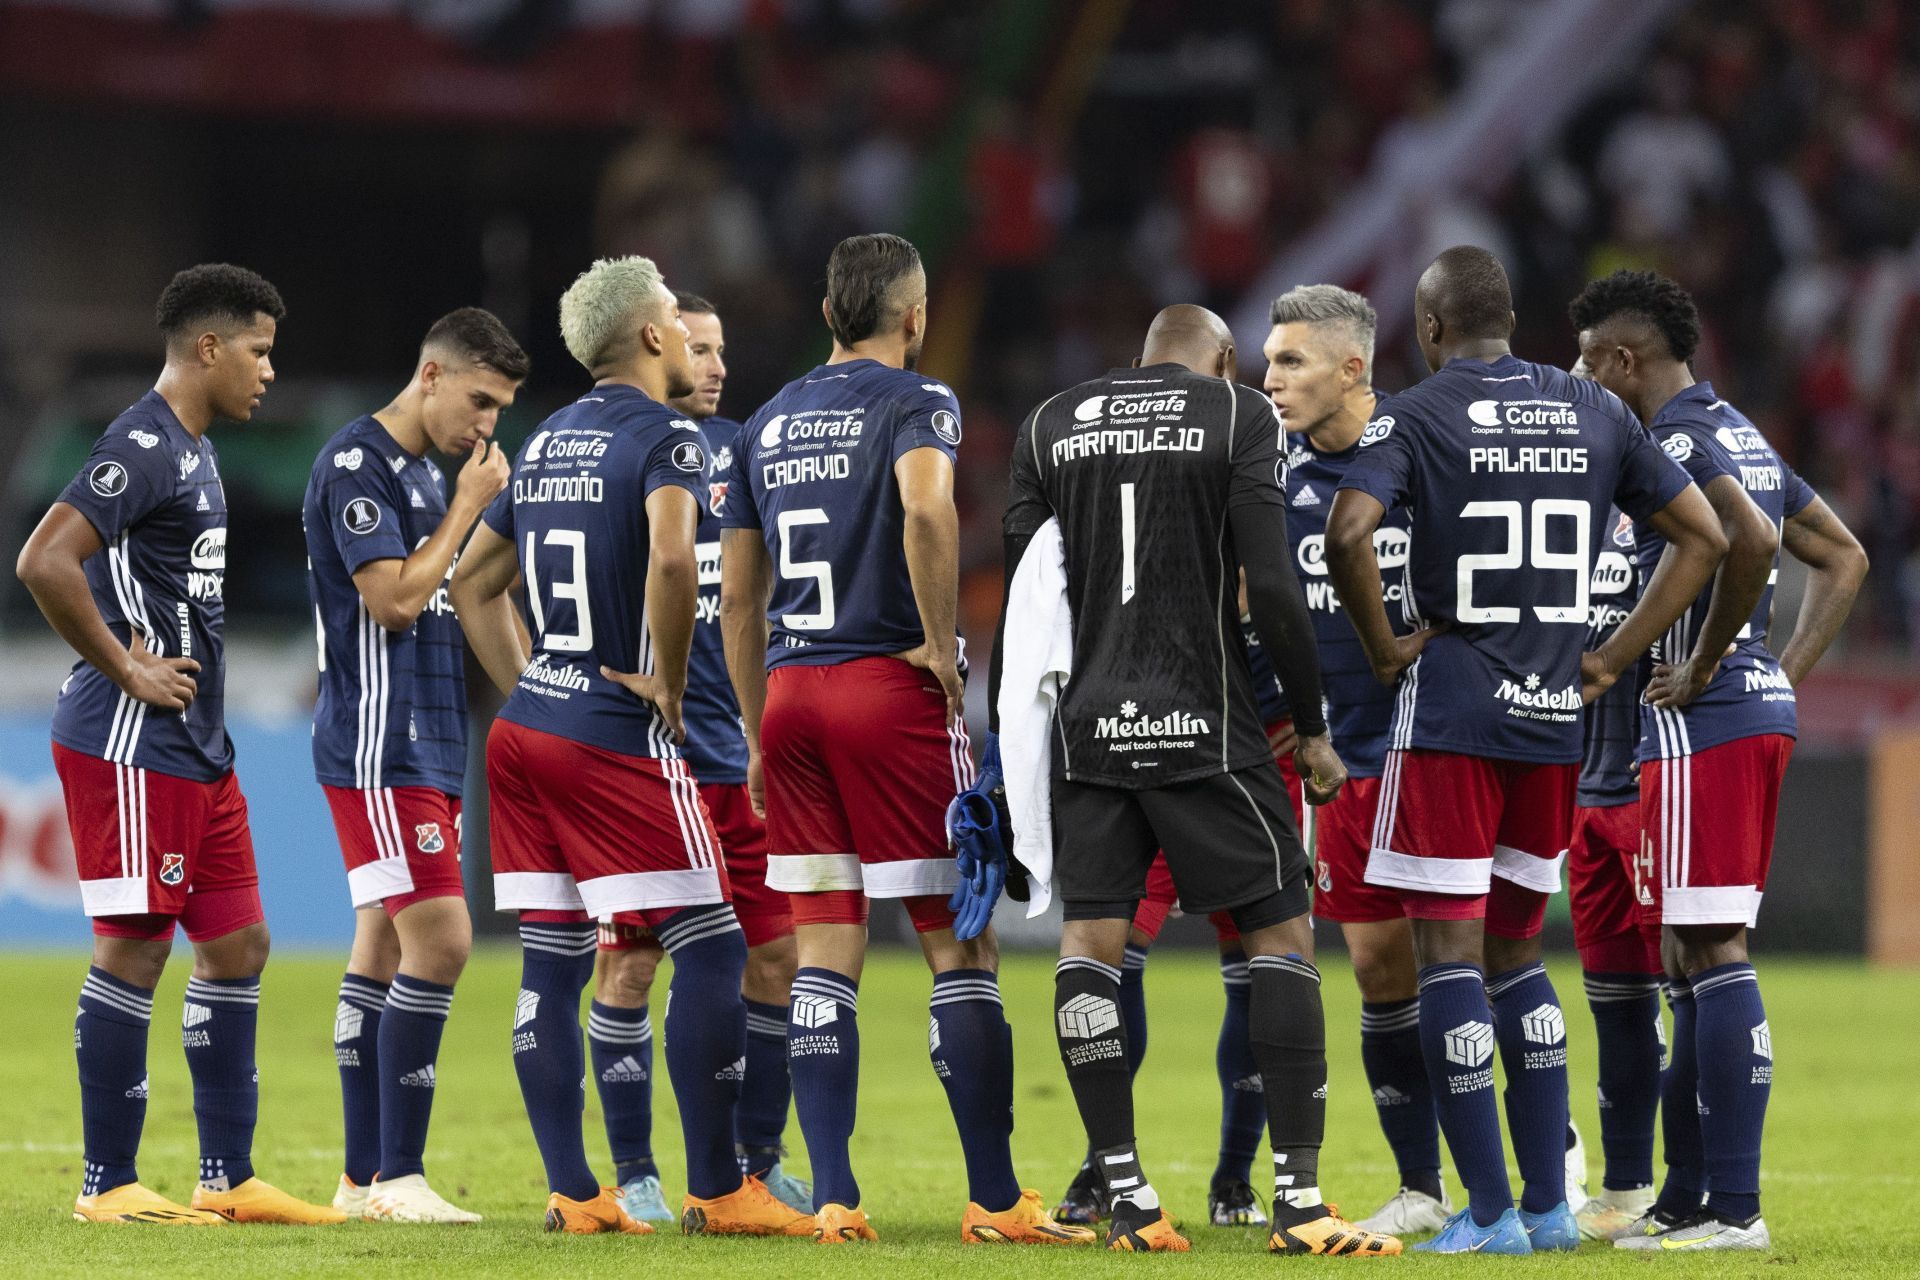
column 1676, row 685
column 1322, row 773
column 945, row 669
column 1405, row 650
column 166, row 683
column 1283, row 739
column 652, row 689
column 1595, row 677
column 757, row 785
column 484, row 475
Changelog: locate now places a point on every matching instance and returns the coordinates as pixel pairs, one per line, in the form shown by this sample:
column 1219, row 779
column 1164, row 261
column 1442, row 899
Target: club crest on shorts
column 173, row 868
column 427, row 837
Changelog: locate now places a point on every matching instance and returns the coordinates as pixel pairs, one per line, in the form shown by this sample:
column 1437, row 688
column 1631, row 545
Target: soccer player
column 390, row 736
column 1715, row 732
column 593, row 813
column 140, row 744
column 1320, row 379
column 839, row 568
column 619, row 1031
column 1157, row 741
column 1507, row 469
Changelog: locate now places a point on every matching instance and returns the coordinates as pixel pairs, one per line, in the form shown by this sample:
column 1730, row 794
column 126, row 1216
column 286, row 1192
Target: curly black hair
column 1648, row 295
column 216, row 291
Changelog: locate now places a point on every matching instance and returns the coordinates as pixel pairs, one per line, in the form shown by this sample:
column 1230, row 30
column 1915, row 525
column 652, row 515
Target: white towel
column 1036, row 659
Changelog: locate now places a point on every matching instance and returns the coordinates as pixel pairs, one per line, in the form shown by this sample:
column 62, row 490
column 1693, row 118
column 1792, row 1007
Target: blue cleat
column 1462, row 1235
column 1552, row 1231
column 644, row 1201
column 795, row 1193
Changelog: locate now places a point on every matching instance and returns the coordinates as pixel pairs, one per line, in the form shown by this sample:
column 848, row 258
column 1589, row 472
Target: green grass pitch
column 1841, row 1181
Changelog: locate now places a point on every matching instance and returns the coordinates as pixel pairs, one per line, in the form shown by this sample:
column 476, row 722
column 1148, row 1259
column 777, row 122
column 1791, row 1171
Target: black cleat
column 1085, row 1203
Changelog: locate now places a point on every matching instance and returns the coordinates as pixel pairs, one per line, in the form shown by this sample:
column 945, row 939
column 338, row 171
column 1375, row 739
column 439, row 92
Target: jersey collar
column 1700, row 394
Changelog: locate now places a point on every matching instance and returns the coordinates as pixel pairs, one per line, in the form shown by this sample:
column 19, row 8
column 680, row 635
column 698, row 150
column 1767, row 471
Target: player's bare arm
column 673, row 587
column 1737, row 588
column 1696, row 546
column 51, row 567
column 487, row 569
column 932, row 540
column 1820, row 540
column 746, row 581
column 1355, row 570
column 397, row 590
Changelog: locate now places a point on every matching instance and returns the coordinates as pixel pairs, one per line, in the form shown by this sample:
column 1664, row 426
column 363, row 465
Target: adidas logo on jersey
column 415, row 500
column 195, row 1014
column 1306, row 497
column 629, row 1070
column 421, row 1079
column 735, row 1070
column 203, row 504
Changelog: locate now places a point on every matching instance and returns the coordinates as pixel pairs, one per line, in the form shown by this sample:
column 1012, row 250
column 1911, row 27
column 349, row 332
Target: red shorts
column 1465, row 837
column 153, row 848
column 1342, row 839
column 860, row 767
column 579, row 828
column 1162, row 898
column 401, row 844
column 765, row 915
column 1709, row 826
column 1606, row 890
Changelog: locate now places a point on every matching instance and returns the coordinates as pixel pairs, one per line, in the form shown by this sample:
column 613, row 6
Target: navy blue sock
column 823, row 1057
column 110, row 1042
column 1735, row 1053
column 556, row 962
column 1626, row 1023
column 218, row 1027
column 409, row 1053
column 1397, row 1077
column 1686, row 1180
column 1456, row 1042
column 356, row 1047
column 972, row 1050
column 706, row 1030
column 767, row 1092
column 1133, row 1004
column 1532, row 1032
column 1243, row 1106
column 621, row 1041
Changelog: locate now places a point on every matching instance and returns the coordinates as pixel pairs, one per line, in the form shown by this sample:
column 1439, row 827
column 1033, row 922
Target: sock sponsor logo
column 629, row 1070
column 815, row 1011
column 1763, row 1042
column 1470, row 1044
column 933, row 1035
column 420, row 1079
column 346, row 1057
column 1545, row 1025
column 139, row 1090
column 525, row 1008
column 1086, row 1016
column 1252, row 1084
column 735, row 1070
column 523, row 1042
column 192, row 1015
column 1388, row 1096
column 347, row 1021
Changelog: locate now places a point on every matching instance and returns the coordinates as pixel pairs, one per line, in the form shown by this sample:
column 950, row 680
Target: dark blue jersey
column 1507, row 469
column 716, row 745
column 151, row 489
column 1612, row 728
column 576, row 513
column 1359, row 707
column 1749, row 695
column 392, row 710
column 814, row 473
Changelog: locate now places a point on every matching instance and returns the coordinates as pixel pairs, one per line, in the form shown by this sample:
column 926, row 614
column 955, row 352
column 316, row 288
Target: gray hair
column 1318, row 304
column 596, row 310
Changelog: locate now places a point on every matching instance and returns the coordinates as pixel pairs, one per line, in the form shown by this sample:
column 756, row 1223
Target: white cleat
column 351, row 1198
column 410, row 1199
column 1646, row 1231
column 1576, row 1171
column 1409, row 1213
column 1609, row 1215
column 1704, row 1231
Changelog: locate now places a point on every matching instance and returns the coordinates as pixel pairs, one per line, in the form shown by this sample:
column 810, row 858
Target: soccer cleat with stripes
column 748, row 1210
column 1233, row 1204
column 1705, row 1231
column 1462, row 1235
column 1085, row 1203
column 132, row 1203
column 410, row 1199
column 601, row 1215
column 1025, row 1223
column 1157, row 1236
column 1408, row 1213
column 837, row 1224
column 1331, row 1236
column 261, row 1202
column 1608, row 1215
column 1554, row 1231
column 350, row 1198
column 644, row 1201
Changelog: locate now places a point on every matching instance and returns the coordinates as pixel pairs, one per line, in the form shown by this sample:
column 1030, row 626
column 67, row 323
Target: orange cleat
column 749, row 1211
column 1026, row 1223
column 837, row 1224
column 131, row 1202
column 1158, row 1236
column 258, row 1201
column 1330, row 1235
column 601, row 1215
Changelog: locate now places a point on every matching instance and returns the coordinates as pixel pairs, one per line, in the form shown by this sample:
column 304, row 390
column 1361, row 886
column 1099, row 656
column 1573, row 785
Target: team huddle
column 1390, row 660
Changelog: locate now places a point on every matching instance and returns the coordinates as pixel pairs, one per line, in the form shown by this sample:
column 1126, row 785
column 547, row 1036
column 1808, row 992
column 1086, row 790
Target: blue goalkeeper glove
column 977, row 825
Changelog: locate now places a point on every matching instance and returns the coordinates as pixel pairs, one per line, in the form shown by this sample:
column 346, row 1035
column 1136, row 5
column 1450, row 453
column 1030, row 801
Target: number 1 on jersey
column 1126, row 542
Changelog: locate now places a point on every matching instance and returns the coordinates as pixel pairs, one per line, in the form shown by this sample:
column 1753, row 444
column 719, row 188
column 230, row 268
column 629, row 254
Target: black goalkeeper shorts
column 1230, row 841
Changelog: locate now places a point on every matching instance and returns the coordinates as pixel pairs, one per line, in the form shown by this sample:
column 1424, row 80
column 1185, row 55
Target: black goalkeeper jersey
column 1141, row 467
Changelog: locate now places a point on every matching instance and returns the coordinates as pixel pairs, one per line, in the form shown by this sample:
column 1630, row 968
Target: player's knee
column 770, row 970
column 1504, row 954
column 945, row 952
column 625, row 978
column 240, row 954
column 1384, row 975
column 1702, row 947
column 136, row 961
